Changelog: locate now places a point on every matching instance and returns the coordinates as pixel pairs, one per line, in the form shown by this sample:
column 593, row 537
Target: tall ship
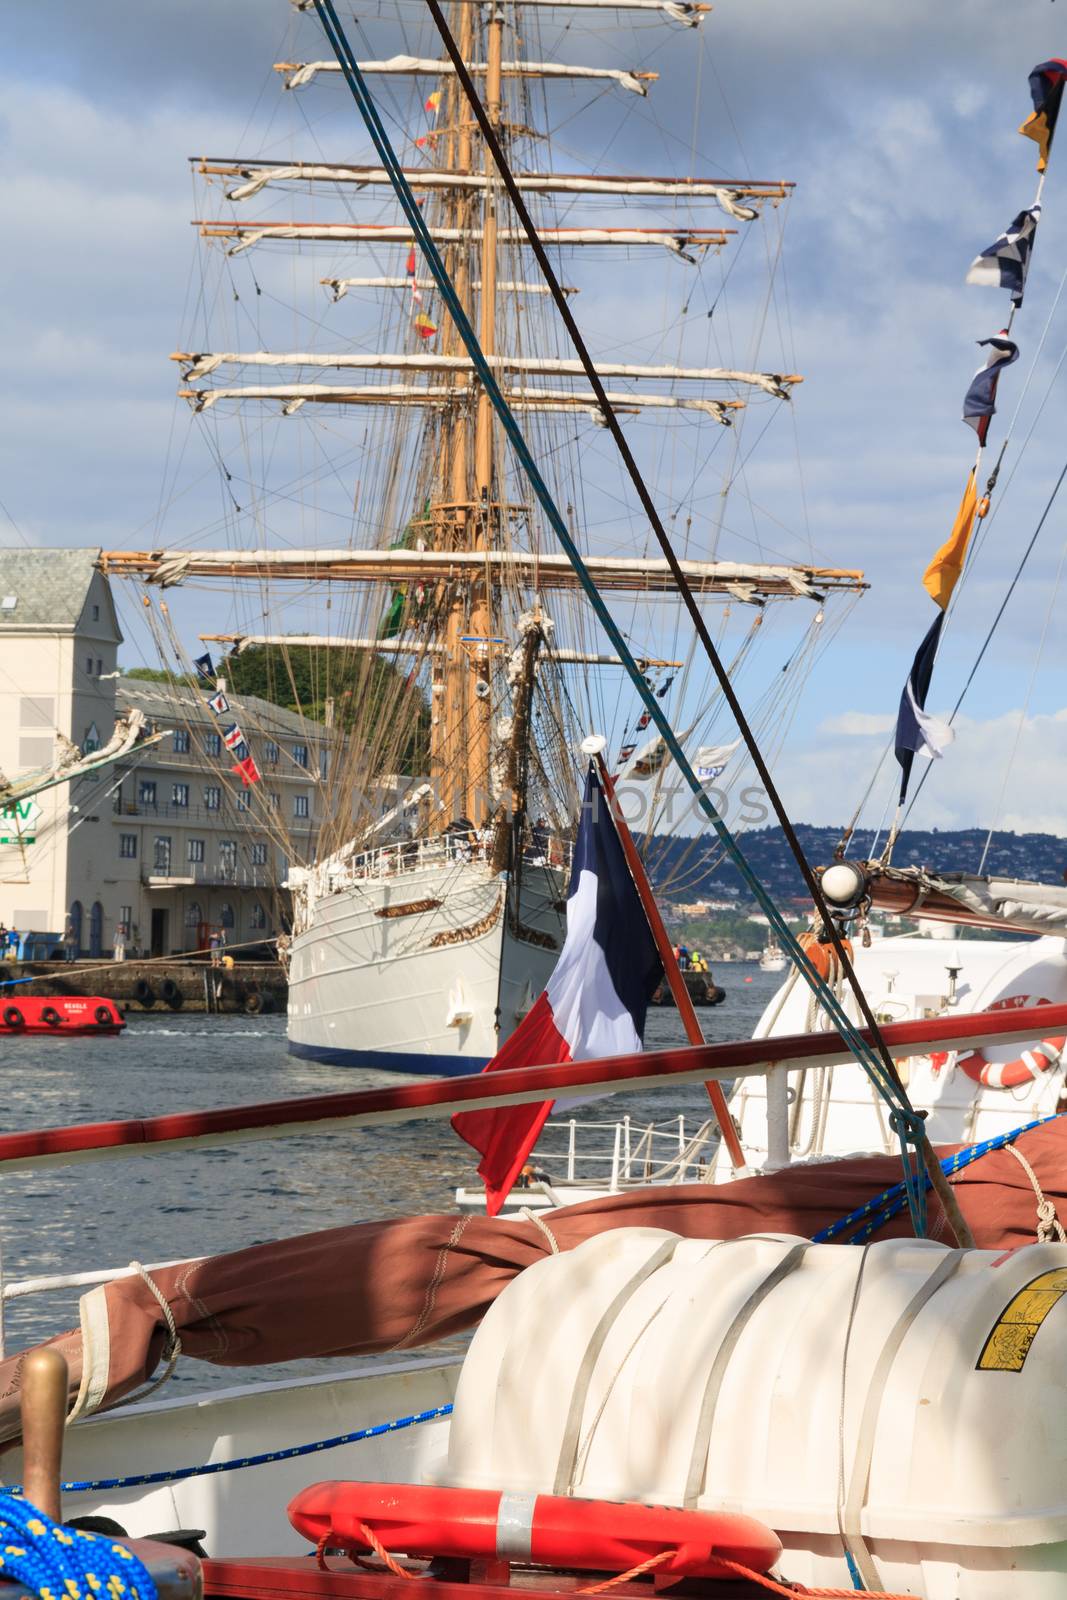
column 438, row 647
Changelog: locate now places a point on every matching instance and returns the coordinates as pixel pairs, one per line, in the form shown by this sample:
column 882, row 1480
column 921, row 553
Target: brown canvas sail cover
column 377, row 1287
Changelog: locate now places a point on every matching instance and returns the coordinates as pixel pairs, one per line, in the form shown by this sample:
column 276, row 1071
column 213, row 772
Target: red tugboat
column 61, row 1015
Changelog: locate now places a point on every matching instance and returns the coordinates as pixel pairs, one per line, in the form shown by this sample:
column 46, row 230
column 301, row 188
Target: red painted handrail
column 440, row 1097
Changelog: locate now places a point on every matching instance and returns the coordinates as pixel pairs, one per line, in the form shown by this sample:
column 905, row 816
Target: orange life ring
column 532, row 1529
column 1007, row 1074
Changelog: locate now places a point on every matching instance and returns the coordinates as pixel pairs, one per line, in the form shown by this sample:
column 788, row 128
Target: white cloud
column 1004, row 772
column 857, row 724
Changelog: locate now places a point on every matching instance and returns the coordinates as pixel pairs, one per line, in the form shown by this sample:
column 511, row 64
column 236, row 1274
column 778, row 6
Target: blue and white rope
column 60, row 1563
column 142, row 1480
column 882, row 1208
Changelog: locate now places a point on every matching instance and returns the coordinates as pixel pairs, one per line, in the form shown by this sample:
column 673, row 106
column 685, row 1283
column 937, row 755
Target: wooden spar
column 441, row 1097
column 436, row 395
column 341, row 286
column 400, row 233
column 550, row 570
column 683, row 11
column 200, row 364
column 904, row 898
column 535, row 182
column 302, row 72
column 682, row 998
column 323, row 641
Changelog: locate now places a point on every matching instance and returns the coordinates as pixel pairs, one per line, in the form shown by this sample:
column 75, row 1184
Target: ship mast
column 462, row 518
column 467, row 578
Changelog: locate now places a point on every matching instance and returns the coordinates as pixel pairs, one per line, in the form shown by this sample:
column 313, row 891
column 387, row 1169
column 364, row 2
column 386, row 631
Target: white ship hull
column 425, row 968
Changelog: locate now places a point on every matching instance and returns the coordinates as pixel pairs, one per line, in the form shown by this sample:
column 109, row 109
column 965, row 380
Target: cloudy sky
column 898, row 126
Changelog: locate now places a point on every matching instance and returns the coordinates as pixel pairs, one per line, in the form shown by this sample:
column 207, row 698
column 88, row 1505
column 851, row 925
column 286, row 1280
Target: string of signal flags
column 1003, row 265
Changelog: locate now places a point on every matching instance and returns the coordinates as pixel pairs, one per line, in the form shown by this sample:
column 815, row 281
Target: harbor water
column 165, row 1207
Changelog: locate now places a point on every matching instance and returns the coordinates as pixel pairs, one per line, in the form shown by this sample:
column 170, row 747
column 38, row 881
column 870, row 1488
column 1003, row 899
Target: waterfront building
column 167, row 843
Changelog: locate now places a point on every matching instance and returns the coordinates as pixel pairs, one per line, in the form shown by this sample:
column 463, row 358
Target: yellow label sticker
column 1009, row 1341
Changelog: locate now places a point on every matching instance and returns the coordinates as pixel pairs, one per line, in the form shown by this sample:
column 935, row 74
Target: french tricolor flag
column 595, row 1002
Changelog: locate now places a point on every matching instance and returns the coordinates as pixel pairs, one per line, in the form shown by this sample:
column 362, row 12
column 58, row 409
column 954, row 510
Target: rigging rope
column 876, row 1061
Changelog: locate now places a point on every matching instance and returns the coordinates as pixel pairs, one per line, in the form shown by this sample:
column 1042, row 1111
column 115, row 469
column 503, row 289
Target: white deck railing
column 626, row 1152
column 411, row 856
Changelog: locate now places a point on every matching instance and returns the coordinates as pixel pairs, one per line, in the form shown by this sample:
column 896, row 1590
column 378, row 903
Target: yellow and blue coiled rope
column 60, row 1563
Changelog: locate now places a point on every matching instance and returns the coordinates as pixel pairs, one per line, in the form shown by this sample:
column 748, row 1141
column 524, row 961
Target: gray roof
column 50, row 586
column 169, row 703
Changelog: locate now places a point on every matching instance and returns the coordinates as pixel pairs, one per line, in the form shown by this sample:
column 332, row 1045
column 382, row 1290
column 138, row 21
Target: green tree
column 301, row 678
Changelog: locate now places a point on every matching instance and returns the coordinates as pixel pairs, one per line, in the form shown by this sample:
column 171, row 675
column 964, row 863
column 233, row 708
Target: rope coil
column 60, row 1563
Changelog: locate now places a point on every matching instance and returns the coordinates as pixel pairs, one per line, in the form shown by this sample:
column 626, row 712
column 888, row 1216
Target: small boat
column 61, row 1015
column 772, row 957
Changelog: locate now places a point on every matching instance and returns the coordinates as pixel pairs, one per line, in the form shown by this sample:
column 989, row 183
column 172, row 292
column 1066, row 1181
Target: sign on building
column 18, row 819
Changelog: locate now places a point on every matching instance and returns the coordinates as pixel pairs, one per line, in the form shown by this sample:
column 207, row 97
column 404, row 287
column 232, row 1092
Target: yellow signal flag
column 942, row 575
column 1036, row 127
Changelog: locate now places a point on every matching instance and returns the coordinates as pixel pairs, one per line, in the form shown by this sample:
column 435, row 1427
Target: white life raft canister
column 761, row 1374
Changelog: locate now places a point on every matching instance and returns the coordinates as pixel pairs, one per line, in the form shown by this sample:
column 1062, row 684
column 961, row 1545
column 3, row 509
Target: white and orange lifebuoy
column 1041, row 1058
column 533, row 1529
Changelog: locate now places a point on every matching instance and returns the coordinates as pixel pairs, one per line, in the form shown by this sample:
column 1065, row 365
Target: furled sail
column 546, row 569
column 677, row 240
column 203, row 365
column 295, row 395
column 300, row 73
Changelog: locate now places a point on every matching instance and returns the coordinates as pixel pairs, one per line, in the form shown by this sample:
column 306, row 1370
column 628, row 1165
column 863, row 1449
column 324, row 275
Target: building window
column 179, row 794
column 228, row 855
column 226, row 914
column 270, row 752
column 181, row 741
column 301, row 806
column 259, row 855
column 161, row 861
column 193, row 914
column 128, row 846
column 99, row 667
column 324, row 762
column 300, row 754
column 125, row 920
column 146, row 792
column 244, row 800
column 196, row 852
column 96, row 613
column 37, row 713
column 213, row 744
column 274, row 801
column 257, row 917
column 212, row 797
